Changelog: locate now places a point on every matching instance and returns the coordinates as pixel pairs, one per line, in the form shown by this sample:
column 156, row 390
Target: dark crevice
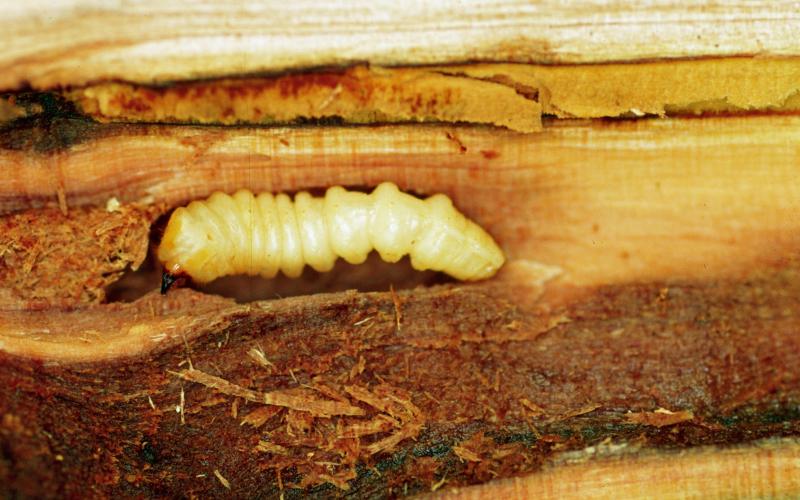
column 49, row 123
column 374, row 275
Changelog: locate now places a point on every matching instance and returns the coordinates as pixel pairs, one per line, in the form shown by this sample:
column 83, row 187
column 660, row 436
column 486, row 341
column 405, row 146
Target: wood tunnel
column 640, row 170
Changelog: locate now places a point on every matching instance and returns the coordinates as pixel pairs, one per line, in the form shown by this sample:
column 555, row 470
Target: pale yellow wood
column 112, row 331
column 45, row 44
column 518, row 93
column 605, row 202
column 358, row 95
column 655, row 88
column 764, row 470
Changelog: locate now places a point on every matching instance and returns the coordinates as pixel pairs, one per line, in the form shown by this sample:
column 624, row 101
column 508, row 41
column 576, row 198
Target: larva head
column 185, row 247
column 485, row 256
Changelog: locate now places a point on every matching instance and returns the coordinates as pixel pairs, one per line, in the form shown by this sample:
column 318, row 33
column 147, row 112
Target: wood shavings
column 222, row 479
column 381, row 423
column 267, row 447
column 358, row 368
column 257, row 354
column 410, row 407
column 213, row 401
column 505, row 451
column 48, row 257
column 363, row 321
column 580, row 411
column 107, row 227
column 182, row 407
column 288, row 398
column 410, row 430
column 259, row 416
column 465, row 454
column 299, row 422
column 535, row 409
column 398, row 313
column 188, row 351
column 439, row 483
column 660, row 418
column 337, row 444
column 365, row 396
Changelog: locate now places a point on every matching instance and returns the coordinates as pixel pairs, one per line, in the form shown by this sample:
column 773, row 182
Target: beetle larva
column 260, row 235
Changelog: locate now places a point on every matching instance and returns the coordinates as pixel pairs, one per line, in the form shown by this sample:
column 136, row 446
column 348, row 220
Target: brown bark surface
column 385, row 393
column 53, row 259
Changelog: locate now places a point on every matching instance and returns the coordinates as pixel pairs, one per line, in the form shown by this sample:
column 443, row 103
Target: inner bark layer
column 389, row 392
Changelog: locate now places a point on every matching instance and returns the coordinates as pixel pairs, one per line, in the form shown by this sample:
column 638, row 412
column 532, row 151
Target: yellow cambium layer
column 656, row 88
column 513, row 96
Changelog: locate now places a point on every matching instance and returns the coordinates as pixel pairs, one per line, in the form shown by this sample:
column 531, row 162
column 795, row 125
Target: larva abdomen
column 260, row 235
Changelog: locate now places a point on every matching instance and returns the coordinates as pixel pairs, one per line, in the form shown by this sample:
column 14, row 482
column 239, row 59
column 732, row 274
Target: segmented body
column 264, row 234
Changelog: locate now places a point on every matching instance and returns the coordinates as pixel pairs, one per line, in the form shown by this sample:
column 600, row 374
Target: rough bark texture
column 53, row 259
column 390, row 393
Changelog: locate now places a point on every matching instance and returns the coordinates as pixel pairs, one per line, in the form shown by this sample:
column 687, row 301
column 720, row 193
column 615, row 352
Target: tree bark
column 389, row 393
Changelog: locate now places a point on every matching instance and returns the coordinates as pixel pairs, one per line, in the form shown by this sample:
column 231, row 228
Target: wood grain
column 676, row 243
column 520, row 94
column 769, row 469
column 635, row 90
column 604, row 201
column 356, row 95
column 78, row 41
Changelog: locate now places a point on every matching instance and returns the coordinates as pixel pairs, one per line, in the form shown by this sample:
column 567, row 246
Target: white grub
column 265, row 234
